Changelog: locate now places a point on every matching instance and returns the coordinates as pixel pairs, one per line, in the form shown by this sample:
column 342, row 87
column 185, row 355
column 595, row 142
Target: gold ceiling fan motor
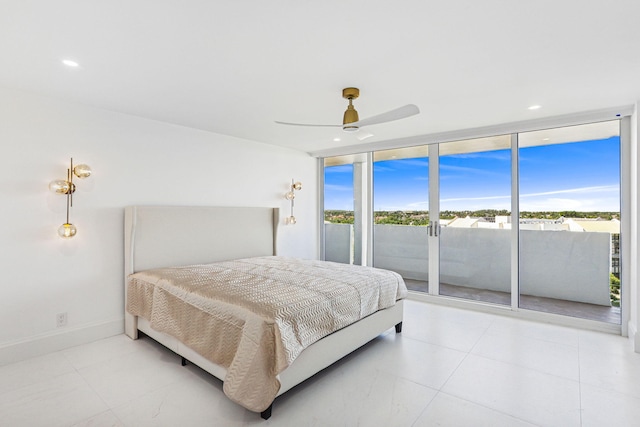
column 350, row 115
column 351, row 122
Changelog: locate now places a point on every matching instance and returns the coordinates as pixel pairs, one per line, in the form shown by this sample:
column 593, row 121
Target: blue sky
column 582, row 176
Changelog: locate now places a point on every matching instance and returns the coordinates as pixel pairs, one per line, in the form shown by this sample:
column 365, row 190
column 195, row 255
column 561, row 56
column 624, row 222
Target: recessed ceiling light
column 70, row 63
column 336, row 140
column 534, row 107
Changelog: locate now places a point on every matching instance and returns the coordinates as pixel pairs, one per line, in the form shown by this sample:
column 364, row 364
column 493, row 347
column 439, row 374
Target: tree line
column 422, row 217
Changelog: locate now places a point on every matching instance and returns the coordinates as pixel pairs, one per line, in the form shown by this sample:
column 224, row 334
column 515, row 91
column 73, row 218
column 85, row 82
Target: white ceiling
column 233, row 67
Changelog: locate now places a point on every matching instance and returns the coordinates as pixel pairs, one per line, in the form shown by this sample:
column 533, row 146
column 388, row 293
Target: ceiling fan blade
column 362, row 135
column 307, row 124
column 397, row 114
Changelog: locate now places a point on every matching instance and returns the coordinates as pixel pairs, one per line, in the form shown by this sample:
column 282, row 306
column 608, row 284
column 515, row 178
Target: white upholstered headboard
column 167, row 236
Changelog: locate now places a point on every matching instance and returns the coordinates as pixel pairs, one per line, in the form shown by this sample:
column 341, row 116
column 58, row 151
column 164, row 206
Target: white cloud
column 596, row 189
column 583, row 200
column 336, row 187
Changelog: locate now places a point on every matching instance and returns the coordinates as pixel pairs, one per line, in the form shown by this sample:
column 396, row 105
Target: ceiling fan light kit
column 351, row 122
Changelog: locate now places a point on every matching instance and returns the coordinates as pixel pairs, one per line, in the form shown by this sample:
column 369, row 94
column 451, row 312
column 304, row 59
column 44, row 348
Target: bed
column 159, row 237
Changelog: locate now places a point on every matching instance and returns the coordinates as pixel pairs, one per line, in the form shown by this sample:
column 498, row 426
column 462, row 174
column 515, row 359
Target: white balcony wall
column 566, row 265
column 403, row 249
column 555, row 264
column 476, row 258
column 338, row 243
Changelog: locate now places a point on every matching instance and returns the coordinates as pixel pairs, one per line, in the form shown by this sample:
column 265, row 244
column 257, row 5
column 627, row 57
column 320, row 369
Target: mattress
column 254, row 316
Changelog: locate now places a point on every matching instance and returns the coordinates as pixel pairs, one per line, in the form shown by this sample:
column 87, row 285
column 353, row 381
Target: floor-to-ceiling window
column 529, row 220
column 344, row 183
column 570, row 221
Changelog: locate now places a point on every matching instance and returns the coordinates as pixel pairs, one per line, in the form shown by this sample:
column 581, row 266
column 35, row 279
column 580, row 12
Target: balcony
column 561, row 272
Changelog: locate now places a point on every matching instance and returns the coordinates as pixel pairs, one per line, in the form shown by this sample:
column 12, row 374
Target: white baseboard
column 58, row 340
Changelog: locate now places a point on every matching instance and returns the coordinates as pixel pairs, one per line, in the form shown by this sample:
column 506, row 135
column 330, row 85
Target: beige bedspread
column 254, row 316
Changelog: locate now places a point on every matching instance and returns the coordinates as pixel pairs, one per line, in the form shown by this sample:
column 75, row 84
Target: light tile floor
column 449, row 367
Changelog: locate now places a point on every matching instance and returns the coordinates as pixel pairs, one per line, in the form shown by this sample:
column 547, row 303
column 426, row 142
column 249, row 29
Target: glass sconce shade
column 67, row 187
column 67, row 230
column 82, row 171
column 290, row 195
column 60, row 186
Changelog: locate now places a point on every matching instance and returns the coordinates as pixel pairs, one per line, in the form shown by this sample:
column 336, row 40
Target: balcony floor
column 548, row 305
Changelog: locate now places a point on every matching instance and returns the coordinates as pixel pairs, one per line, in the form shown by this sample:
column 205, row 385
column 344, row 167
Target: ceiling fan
column 351, row 121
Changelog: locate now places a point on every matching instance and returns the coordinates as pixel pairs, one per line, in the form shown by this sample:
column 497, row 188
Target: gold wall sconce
column 67, row 187
column 290, row 195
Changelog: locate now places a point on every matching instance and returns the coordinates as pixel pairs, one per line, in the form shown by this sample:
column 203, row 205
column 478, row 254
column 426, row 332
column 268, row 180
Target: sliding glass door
column 475, row 219
column 401, row 214
column 460, row 245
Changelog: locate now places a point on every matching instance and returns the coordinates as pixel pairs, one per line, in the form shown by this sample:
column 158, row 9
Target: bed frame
column 167, row 236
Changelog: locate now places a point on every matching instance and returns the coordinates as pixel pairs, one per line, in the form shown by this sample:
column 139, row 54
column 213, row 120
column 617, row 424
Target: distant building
column 466, row 222
column 595, row 225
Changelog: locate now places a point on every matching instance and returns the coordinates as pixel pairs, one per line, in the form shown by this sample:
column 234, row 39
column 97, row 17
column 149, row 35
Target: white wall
column 135, row 161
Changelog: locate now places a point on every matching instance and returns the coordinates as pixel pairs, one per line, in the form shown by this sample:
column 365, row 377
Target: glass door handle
column 434, row 228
